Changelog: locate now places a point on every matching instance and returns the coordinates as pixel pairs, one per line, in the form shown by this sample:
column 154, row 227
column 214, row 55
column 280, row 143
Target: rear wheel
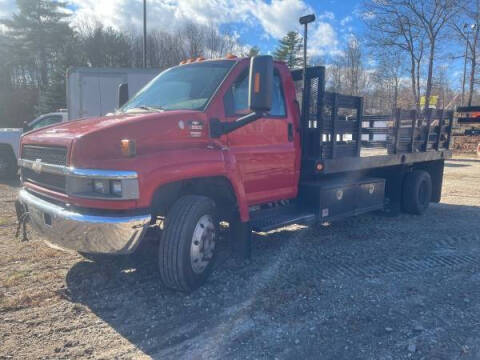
column 417, row 192
column 188, row 244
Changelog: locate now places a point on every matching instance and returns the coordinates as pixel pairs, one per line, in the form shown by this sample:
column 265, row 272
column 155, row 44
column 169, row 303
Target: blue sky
column 342, row 16
column 255, row 22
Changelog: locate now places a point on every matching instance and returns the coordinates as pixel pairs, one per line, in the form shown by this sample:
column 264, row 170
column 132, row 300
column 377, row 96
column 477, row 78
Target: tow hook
column 22, row 218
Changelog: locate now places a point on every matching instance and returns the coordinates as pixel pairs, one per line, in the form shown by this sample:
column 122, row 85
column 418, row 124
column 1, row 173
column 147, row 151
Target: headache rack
column 337, row 135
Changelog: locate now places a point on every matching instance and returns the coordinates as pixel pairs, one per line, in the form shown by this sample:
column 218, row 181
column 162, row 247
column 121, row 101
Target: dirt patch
column 369, row 287
column 466, row 144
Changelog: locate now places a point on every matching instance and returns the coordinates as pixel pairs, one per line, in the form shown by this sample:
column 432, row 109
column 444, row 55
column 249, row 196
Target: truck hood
column 98, row 139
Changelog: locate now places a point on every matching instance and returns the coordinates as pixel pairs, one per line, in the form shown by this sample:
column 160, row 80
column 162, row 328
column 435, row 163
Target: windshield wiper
column 147, row 108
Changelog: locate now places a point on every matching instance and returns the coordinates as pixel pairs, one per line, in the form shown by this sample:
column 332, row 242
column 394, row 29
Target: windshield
column 185, row 87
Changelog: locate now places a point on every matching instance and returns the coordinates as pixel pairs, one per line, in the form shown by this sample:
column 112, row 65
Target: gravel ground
column 370, row 287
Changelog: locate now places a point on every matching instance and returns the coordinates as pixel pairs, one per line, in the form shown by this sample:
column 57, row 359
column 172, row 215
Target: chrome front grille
column 50, row 181
column 54, row 155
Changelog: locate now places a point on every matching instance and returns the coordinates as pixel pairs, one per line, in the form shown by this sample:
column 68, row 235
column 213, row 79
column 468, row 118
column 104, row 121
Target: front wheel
column 187, row 247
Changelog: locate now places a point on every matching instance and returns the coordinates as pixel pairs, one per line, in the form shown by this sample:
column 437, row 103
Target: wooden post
column 320, row 105
column 449, row 131
column 413, row 115
column 429, row 124
column 359, row 126
column 397, row 130
column 305, row 114
column 334, row 126
column 439, row 134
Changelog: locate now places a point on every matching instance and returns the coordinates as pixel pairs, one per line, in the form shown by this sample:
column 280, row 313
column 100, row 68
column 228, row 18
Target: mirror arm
column 218, row 128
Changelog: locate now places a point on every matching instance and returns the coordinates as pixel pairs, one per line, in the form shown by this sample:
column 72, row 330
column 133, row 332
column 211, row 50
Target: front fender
column 173, row 166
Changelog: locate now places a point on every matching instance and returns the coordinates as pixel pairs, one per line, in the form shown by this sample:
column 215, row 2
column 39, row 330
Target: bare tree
column 194, row 38
column 393, row 27
column 387, row 76
column 353, row 66
column 334, row 75
column 467, row 27
column 432, row 17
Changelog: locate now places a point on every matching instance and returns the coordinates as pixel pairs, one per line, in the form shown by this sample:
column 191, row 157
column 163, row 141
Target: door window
column 236, row 98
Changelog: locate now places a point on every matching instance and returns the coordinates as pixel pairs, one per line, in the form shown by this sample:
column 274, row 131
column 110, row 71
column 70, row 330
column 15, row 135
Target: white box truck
column 94, row 91
column 90, row 92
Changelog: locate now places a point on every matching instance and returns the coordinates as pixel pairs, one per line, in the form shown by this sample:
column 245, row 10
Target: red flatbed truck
column 223, row 140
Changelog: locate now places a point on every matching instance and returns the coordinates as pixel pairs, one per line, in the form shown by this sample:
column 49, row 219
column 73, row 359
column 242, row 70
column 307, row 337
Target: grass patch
column 15, row 278
column 5, row 221
column 12, row 303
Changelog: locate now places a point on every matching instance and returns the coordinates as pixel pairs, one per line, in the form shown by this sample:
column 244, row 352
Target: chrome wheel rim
column 203, row 244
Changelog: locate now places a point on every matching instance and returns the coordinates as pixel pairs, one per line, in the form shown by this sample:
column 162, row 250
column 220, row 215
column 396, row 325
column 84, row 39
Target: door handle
column 290, row 132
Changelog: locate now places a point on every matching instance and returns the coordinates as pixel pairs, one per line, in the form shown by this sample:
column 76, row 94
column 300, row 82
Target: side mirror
column 122, row 94
column 260, row 88
column 260, row 85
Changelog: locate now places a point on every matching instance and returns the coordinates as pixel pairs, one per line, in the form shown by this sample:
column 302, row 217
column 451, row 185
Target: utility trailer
column 93, row 91
column 349, row 165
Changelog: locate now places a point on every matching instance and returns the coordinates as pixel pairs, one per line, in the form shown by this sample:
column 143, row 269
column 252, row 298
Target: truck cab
column 205, row 142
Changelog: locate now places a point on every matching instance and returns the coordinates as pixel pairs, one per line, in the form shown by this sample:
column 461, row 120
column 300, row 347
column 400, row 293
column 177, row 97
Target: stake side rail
column 337, row 134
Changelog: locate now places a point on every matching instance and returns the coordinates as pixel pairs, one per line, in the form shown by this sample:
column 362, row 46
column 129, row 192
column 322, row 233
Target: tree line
column 39, row 45
column 405, row 54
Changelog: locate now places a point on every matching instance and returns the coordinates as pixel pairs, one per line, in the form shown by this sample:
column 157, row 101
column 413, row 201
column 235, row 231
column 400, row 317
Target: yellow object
column 433, row 101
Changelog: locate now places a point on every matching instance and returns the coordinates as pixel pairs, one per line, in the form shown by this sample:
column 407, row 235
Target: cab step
column 269, row 219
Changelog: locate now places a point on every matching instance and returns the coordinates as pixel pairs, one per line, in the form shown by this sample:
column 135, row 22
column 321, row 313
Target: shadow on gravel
column 253, row 308
column 456, row 165
column 464, row 160
column 126, row 293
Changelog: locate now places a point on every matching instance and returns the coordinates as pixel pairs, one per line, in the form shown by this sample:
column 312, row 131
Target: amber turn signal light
column 128, row 148
column 256, row 86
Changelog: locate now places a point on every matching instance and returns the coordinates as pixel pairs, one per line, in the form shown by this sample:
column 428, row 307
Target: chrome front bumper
column 82, row 232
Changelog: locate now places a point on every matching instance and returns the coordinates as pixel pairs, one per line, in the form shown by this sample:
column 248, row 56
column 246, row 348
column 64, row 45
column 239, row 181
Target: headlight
column 116, row 187
column 107, row 187
column 101, row 186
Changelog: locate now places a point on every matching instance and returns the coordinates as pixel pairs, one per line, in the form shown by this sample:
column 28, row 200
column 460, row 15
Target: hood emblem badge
column 37, row 166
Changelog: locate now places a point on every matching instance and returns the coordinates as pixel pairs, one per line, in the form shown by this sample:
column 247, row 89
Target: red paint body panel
column 258, row 159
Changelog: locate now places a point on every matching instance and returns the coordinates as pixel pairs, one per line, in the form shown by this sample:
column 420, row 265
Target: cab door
column 264, row 150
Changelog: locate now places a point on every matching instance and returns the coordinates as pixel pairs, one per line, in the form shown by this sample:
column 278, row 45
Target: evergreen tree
column 39, row 29
column 39, row 37
column 289, row 50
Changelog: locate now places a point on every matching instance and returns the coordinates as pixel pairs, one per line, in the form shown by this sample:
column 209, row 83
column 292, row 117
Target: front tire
column 187, row 247
column 417, row 192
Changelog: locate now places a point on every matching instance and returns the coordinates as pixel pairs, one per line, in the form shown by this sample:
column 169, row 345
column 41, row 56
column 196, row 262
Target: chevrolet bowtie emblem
column 37, row 166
